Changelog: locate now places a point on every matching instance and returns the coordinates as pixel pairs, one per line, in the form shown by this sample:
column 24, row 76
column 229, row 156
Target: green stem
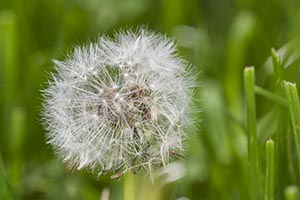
column 276, row 61
column 129, row 186
column 283, row 152
column 270, row 170
column 290, row 155
column 294, row 108
column 253, row 159
column 271, row 96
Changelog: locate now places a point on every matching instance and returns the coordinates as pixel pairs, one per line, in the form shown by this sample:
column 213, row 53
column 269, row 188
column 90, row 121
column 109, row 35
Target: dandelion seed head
column 119, row 104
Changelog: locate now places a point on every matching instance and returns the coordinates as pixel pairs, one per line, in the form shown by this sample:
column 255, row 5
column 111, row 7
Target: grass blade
column 294, row 108
column 270, row 170
column 253, row 151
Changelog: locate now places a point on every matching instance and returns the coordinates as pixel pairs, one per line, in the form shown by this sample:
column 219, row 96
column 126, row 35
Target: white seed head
column 119, row 104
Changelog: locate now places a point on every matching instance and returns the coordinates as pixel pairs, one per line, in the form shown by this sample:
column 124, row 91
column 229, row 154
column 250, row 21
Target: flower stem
column 253, row 159
column 270, row 170
column 129, row 186
column 294, row 108
column 291, row 193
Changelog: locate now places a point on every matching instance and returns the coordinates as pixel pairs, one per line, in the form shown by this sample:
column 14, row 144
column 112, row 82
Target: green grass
column 253, row 150
column 230, row 153
column 270, row 170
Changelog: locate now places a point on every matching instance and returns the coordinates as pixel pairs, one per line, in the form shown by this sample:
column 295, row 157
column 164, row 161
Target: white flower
column 119, row 104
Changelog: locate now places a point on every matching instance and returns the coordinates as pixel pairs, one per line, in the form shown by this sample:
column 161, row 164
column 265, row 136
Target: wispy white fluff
column 119, row 104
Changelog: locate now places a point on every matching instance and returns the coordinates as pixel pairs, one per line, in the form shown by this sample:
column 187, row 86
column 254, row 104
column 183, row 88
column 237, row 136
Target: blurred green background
column 219, row 38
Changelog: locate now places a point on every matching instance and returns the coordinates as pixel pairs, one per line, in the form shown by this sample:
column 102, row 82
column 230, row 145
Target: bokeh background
column 218, row 37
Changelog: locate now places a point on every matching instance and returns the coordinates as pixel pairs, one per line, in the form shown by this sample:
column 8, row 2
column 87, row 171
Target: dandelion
column 119, row 104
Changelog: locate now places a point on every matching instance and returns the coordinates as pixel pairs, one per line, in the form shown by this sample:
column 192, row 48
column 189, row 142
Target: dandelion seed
column 119, row 104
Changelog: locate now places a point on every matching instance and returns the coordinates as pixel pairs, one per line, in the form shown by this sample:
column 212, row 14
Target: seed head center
column 124, row 107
